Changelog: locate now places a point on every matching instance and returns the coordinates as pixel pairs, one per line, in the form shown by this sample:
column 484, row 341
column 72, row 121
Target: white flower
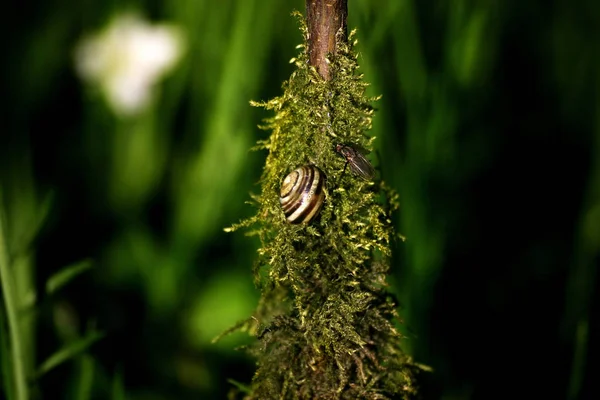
column 127, row 58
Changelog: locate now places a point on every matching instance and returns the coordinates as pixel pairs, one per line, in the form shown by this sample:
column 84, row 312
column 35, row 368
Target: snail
column 359, row 164
column 302, row 194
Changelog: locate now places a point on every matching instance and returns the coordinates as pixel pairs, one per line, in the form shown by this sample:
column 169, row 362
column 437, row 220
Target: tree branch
column 324, row 19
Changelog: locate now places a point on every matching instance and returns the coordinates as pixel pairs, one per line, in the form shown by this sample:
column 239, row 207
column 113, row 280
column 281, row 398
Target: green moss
column 325, row 320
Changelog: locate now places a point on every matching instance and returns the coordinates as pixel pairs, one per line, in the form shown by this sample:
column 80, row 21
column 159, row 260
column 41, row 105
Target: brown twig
column 324, row 18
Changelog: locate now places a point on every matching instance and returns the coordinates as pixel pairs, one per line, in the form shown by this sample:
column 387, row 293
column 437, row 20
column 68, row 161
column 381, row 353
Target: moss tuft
column 325, row 320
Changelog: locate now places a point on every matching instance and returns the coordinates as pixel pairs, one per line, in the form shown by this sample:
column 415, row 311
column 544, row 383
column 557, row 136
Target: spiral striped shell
column 302, row 194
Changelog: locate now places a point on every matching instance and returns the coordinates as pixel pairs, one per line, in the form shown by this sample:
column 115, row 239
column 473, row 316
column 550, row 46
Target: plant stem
column 324, row 18
column 7, row 281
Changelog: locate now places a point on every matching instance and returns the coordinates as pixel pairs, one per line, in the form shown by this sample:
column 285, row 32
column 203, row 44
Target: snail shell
column 302, row 194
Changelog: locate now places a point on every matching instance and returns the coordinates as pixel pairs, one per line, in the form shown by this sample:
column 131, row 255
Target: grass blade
column 66, row 274
column 68, row 352
column 10, row 302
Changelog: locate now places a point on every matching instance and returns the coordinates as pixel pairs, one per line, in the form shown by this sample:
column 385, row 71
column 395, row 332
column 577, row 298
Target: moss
column 325, row 320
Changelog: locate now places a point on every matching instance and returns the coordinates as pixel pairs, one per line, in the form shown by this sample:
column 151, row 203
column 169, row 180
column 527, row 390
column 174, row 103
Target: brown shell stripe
column 302, row 195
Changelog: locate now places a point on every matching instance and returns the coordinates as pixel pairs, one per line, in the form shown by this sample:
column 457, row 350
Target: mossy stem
column 324, row 19
column 7, row 281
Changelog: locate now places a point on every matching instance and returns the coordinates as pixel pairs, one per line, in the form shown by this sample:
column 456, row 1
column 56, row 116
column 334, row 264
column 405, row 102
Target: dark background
column 488, row 128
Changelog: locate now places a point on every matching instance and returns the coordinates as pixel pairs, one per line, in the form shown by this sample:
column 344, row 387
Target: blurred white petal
column 127, row 58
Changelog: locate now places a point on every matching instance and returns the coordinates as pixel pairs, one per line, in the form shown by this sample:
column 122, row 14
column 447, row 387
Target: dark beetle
column 354, row 156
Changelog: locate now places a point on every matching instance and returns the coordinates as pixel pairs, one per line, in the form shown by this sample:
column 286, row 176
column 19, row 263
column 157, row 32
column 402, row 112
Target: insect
column 302, row 194
column 359, row 164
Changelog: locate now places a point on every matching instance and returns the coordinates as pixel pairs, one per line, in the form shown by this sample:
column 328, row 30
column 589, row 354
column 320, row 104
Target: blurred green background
column 488, row 128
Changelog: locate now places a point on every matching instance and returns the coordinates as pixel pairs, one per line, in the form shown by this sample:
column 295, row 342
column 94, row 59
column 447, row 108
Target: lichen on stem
column 325, row 322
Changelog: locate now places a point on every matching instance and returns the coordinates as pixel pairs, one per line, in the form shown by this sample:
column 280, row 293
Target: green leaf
column 118, row 389
column 68, row 352
column 85, row 378
column 243, row 388
column 32, row 226
column 65, row 275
